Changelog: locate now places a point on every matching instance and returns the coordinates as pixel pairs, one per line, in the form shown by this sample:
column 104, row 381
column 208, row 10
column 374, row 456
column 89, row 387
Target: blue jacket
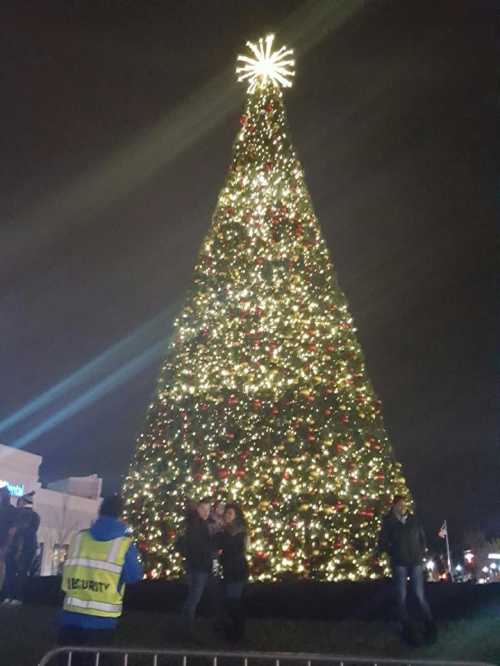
column 105, row 529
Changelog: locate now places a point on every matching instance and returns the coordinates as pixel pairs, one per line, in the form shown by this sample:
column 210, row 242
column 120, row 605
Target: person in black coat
column 22, row 551
column 197, row 548
column 8, row 517
column 232, row 542
column 403, row 539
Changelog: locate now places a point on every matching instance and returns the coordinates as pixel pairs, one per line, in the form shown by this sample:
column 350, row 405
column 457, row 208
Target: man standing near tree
column 403, row 539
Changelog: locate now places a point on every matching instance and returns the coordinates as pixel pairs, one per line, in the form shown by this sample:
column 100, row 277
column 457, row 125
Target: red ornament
column 344, row 418
column 240, row 472
column 268, row 166
column 230, row 435
column 223, row 473
column 204, row 407
column 275, row 411
column 232, row 400
column 367, row 513
column 328, row 412
column 311, row 437
column 269, row 107
column 243, row 120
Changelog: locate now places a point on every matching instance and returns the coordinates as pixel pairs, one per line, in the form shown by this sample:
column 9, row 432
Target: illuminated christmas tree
column 264, row 397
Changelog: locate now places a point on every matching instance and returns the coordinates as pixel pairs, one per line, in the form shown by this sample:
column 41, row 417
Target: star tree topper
column 266, row 65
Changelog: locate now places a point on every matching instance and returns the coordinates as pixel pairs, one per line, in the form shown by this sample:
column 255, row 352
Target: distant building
column 65, row 507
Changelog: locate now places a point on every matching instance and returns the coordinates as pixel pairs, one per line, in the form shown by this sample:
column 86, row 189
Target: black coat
column 233, row 556
column 8, row 518
column 404, row 542
column 197, row 546
column 24, row 544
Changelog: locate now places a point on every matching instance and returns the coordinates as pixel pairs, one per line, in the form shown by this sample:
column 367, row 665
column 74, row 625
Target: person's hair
column 205, row 500
column 4, row 495
column 240, row 518
column 111, row 506
column 396, row 499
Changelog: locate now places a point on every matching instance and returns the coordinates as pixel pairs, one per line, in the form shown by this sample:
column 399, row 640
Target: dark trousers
column 16, row 577
column 411, row 578
column 196, row 581
column 78, row 637
column 215, row 593
column 233, row 601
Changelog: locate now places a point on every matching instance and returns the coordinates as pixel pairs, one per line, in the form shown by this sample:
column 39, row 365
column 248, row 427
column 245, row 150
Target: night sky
column 117, row 124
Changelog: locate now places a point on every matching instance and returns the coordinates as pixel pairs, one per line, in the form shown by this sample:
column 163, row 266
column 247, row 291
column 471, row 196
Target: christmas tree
column 263, row 396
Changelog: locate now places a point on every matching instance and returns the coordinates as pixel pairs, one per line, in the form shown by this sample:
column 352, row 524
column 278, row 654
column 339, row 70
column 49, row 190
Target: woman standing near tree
column 232, row 541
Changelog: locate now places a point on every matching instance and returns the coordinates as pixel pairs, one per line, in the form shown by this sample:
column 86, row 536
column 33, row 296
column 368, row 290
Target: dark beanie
column 111, row 506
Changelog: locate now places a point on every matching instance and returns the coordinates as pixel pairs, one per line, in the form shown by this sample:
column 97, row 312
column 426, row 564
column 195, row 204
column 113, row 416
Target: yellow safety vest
column 91, row 575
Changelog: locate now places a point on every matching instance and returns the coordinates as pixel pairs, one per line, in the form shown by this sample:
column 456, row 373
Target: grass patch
column 28, row 632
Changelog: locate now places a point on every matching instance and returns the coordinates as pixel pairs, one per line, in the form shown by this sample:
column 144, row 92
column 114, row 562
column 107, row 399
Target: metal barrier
column 99, row 656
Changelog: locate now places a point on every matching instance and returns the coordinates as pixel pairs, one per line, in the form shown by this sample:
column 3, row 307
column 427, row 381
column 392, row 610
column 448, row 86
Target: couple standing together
column 216, row 536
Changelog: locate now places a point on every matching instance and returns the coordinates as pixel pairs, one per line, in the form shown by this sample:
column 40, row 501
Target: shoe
column 6, row 602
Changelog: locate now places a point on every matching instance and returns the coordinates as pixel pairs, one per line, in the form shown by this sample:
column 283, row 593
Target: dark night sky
column 117, row 122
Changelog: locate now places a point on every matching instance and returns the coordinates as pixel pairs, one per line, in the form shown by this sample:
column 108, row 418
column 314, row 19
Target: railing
column 100, row 656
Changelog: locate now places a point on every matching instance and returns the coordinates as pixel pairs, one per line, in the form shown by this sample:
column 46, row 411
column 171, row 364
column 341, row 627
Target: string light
column 264, row 396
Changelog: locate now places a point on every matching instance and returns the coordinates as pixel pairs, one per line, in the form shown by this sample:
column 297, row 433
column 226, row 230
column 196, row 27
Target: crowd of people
column 102, row 560
column 18, row 546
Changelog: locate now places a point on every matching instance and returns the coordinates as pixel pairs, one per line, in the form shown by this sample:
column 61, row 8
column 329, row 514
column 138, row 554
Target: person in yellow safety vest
column 99, row 563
